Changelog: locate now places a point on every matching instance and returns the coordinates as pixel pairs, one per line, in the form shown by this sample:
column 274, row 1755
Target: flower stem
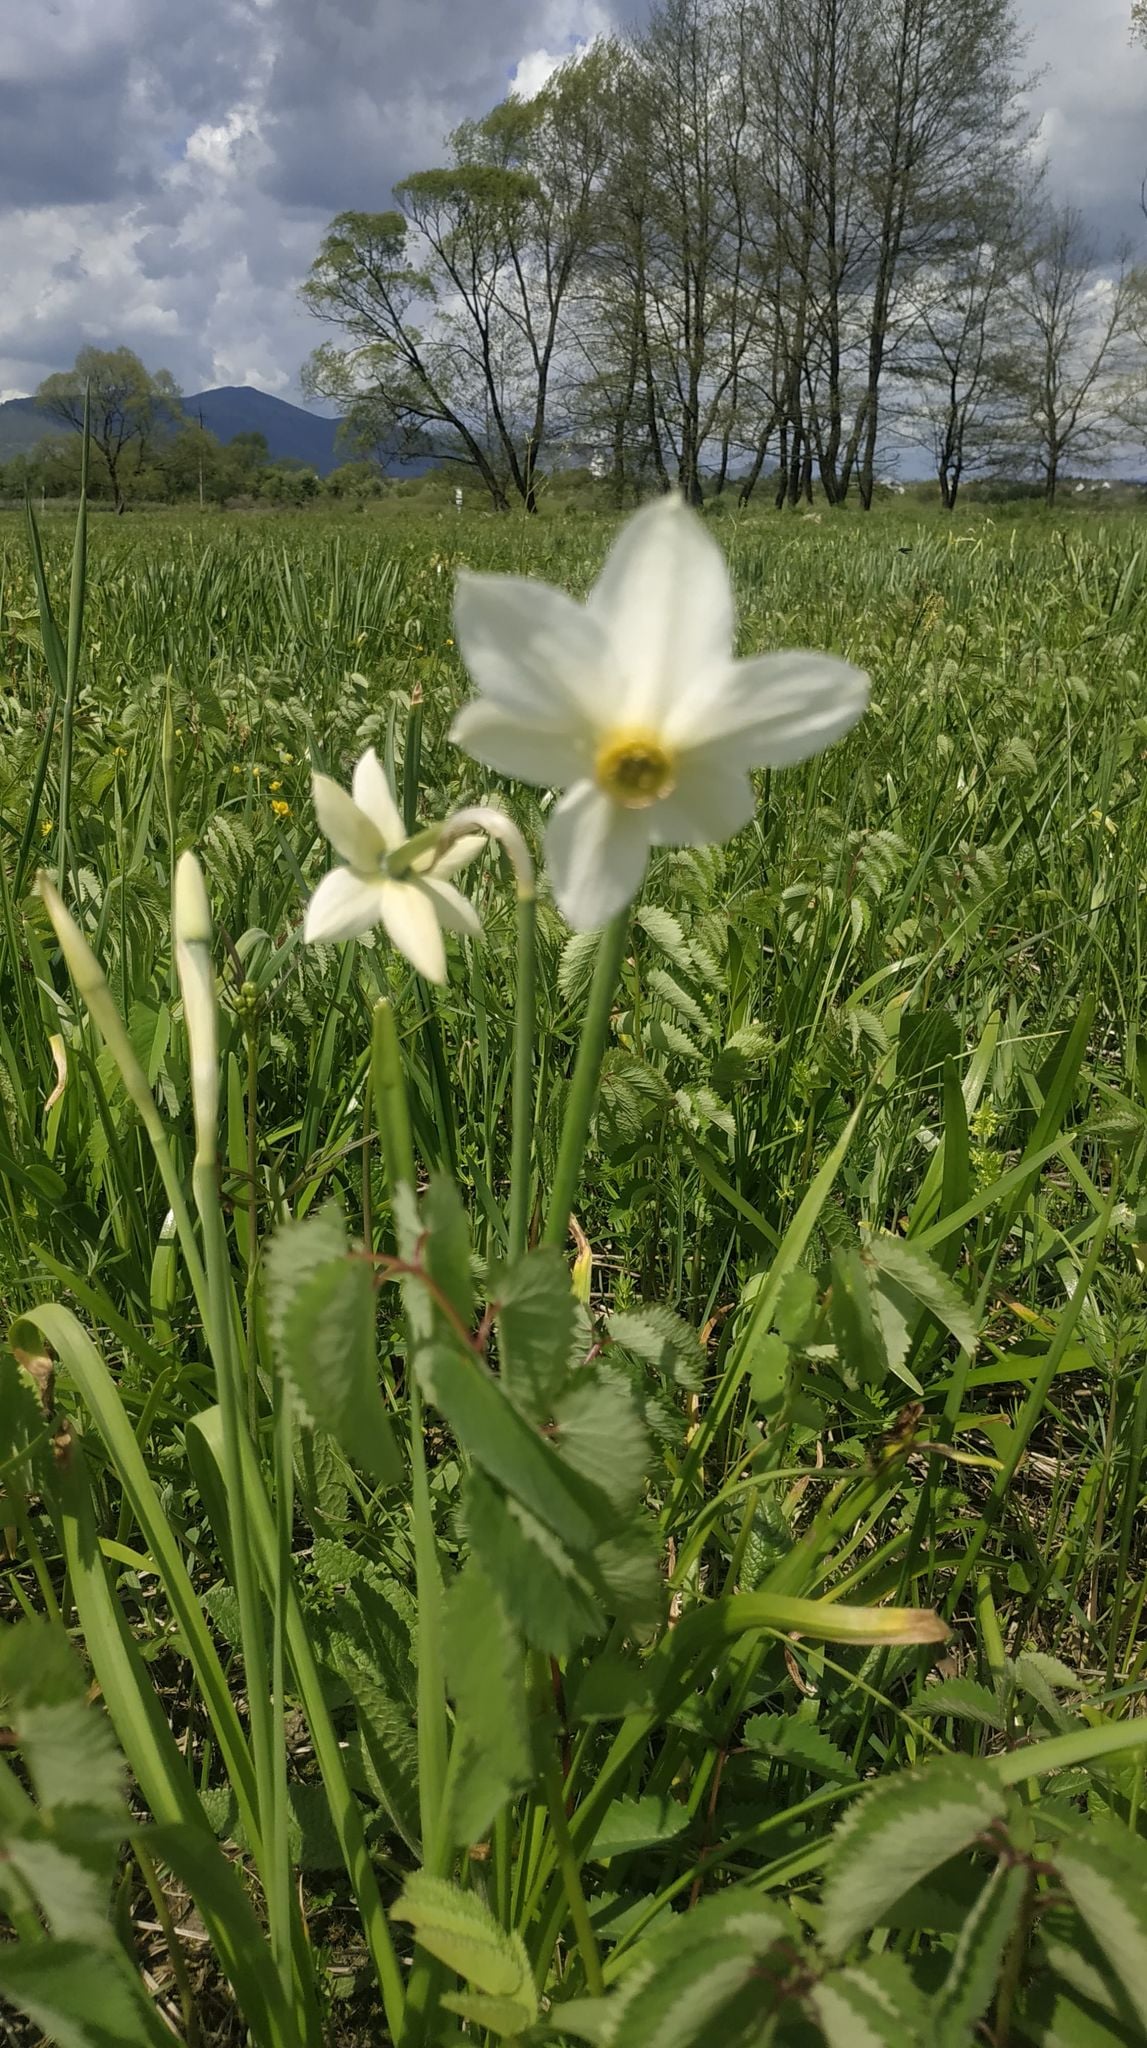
column 586, row 1074
column 554, row 1787
column 389, row 1092
column 523, row 1083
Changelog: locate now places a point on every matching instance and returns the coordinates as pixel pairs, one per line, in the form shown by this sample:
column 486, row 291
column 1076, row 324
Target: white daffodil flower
column 386, row 880
column 634, row 706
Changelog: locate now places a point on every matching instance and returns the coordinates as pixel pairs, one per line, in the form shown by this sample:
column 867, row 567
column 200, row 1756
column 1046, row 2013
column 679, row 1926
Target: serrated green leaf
column 598, row 1432
column 329, row 1356
column 67, row 1746
column 665, row 931
column 663, row 1035
column 446, row 1247
column 797, row 1305
column 662, row 984
column 968, row 1988
column 654, row 1333
column 852, row 1317
column 546, row 1593
column 321, row 1310
column 854, row 2011
column 485, row 1674
column 1105, row 1872
column 70, row 1879
column 631, row 1824
column 768, row 1372
column 386, row 1752
column 896, row 1314
column 78, row 1996
column 900, row 1831
column 627, row 1576
column 684, row 1988
column 791, row 1739
column 963, row 1698
column 575, row 968
column 925, row 1281
column 497, row 2015
column 536, row 1320
column 1031, row 1679
column 525, row 1464
column 459, row 1929
column 296, row 1252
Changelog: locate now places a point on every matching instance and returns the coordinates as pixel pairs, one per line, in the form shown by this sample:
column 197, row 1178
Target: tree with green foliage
column 493, row 245
column 128, row 403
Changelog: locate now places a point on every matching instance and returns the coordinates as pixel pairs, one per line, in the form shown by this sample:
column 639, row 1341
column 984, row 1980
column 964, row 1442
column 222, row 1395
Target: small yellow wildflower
column 45, row 828
column 281, row 809
column 276, row 784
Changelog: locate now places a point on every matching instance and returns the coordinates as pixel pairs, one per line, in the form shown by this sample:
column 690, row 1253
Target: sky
column 167, row 167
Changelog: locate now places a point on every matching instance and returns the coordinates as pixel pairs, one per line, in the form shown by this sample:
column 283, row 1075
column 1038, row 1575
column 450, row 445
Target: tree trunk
column 782, row 489
column 749, row 482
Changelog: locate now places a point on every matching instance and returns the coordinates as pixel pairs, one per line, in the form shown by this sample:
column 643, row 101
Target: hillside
column 232, row 409
column 288, row 430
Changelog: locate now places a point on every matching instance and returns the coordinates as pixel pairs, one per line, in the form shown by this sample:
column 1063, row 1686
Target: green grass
column 906, row 1003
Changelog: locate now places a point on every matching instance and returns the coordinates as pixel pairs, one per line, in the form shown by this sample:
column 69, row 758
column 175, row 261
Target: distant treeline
column 189, row 465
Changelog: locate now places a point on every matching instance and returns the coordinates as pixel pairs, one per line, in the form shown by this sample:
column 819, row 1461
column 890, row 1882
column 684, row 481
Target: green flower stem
column 523, row 1081
column 389, row 1093
column 252, row 1226
column 278, row 1841
column 554, row 1787
column 221, row 1338
column 75, row 636
column 586, row 1074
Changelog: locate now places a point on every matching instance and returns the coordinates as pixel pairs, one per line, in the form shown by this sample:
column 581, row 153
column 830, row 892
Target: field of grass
column 857, row 1324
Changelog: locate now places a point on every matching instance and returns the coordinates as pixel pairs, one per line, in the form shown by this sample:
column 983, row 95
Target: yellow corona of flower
column 634, row 706
column 384, row 882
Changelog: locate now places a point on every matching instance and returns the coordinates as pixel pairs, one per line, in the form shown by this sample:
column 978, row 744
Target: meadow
column 757, row 1653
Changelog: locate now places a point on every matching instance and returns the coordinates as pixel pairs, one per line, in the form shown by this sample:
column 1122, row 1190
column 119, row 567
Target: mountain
column 288, row 431
column 22, row 427
column 232, row 409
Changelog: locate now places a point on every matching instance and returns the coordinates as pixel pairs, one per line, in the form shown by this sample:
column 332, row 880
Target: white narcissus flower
column 412, row 896
column 634, row 706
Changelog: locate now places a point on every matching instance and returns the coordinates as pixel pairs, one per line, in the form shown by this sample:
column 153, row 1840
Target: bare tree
column 1081, row 352
column 958, row 363
column 702, row 293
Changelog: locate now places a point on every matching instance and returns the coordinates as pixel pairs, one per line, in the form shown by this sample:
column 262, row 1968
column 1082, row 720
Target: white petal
column 455, row 911
column 532, row 649
column 513, row 746
column 776, row 709
column 665, row 600
column 342, row 906
column 408, row 912
column 596, row 853
column 713, row 799
column 373, row 794
column 352, row 834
